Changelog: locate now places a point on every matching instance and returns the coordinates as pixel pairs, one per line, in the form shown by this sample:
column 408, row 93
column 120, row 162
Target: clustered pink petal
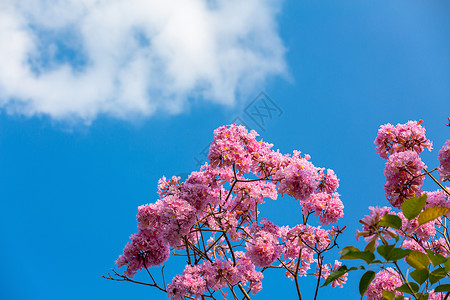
column 263, row 249
column 328, row 207
column 436, row 296
column 385, row 280
column 402, row 137
column 444, row 160
column 438, row 198
column 190, row 283
column 180, row 216
column 329, row 182
column 424, row 232
column 234, row 145
column 299, row 179
column 143, row 251
column 220, row 200
column 403, row 177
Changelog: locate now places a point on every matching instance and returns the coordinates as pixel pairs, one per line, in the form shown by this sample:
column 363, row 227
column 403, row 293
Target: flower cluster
column 444, row 160
column 418, row 226
column 402, row 137
column 213, row 214
column 401, row 146
column 385, row 280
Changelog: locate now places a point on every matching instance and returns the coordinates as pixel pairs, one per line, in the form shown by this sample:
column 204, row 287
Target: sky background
column 99, row 99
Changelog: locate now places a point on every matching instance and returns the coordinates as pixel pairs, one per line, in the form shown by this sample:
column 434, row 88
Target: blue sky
column 98, row 102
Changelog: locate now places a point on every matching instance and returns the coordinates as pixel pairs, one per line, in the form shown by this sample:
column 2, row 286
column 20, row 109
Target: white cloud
column 75, row 59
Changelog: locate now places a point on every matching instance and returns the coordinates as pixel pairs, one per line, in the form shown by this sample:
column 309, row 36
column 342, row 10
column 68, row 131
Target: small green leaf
column 404, row 288
column 391, row 221
column 400, row 297
column 398, row 253
column 413, row 206
column 370, row 246
column 447, row 265
column 436, row 259
column 420, row 276
column 366, row 279
column 418, row 260
column 388, row 295
column 431, row 213
column 437, row 275
column 442, row 288
column 389, row 252
column 351, row 252
column 421, row 296
column 385, row 250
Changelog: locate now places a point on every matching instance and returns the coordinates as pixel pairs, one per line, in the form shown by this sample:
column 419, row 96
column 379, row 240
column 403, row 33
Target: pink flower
column 424, row 232
column 234, row 145
column 190, row 283
column 385, row 280
column 263, row 249
column 444, row 160
column 299, row 179
column 371, row 227
column 402, row 137
column 328, row 207
column 179, row 216
column 403, row 177
column 144, row 251
column 329, row 182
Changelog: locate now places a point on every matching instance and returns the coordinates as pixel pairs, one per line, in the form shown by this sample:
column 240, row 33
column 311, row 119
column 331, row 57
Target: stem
column 319, row 264
column 296, row 275
column 437, row 182
column 244, row 291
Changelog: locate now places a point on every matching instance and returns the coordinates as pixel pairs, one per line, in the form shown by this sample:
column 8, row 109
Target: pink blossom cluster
column 385, row 280
column 401, row 146
column 215, row 211
column 215, row 275
column 402, row 137
column 405, row 172
column 403, row 177
column 444, row 160
column 263, row 248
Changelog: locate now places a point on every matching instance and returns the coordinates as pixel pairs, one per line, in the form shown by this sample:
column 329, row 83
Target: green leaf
column 370, row 246
column 385, row 250
column 421, row 296
column 338, row 273
column 388, row 295
column 389, row 252
column 436, row 259
column 442, row 288
column 437, row 275
column 400, row 297
column 431, row 213
column 413, row 206
column 366, row 279
column 398, row 253
column 418, row 260
column 420, row 276
column 351, row 252
column 391, row 221
column 447, row 265
column 404, row 288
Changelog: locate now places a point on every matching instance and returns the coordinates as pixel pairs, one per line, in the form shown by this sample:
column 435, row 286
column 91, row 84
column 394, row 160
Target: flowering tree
column 417, row 232
column 212, row 220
